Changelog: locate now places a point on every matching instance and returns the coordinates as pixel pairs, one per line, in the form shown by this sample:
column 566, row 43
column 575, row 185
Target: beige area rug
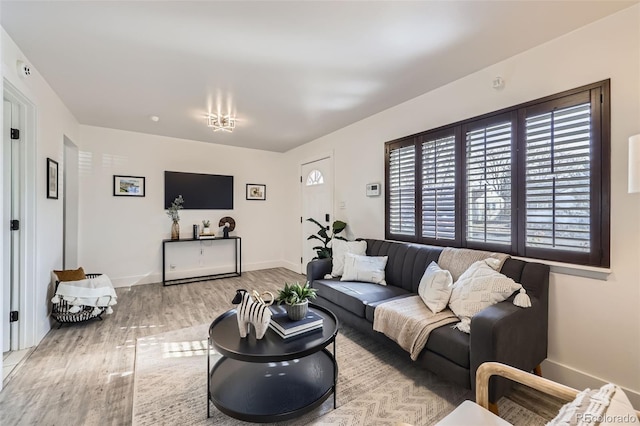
column 375, row 386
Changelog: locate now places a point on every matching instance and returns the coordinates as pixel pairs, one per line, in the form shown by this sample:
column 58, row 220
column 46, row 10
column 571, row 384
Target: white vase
column 206, row 230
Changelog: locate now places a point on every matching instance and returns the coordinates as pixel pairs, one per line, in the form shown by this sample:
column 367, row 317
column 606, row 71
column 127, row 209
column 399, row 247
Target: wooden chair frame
column 488, row 369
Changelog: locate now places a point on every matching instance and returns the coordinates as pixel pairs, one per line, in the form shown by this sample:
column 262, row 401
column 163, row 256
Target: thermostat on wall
column 373, row 189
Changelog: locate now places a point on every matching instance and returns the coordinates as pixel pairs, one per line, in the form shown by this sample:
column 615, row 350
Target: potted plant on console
column 296, row 298
column 206, row 227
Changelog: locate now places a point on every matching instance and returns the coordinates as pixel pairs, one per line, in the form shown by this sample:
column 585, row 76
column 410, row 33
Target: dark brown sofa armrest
column 508, row 334
column 317, row 269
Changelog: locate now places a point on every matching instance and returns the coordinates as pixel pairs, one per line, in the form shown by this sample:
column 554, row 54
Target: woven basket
column 60, row 311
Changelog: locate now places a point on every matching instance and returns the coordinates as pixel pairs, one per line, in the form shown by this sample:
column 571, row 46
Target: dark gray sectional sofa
column 502, row 332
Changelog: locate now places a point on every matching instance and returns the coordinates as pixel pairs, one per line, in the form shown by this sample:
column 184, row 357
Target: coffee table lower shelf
column 275, row 391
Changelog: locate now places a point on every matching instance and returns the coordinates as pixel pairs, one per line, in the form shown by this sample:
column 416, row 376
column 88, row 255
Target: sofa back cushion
column 534, row 277
column 407, row 262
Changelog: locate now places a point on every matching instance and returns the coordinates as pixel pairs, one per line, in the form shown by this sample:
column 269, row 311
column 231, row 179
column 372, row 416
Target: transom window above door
column 315, row 178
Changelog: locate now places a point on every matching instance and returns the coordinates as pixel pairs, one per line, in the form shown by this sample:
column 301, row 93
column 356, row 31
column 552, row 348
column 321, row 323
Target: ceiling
column 289, row 71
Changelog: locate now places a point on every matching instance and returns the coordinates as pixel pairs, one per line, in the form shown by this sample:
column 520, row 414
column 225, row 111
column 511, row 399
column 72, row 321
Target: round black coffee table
column 272, row 379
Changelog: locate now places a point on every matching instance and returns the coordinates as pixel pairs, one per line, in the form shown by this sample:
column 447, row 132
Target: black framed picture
column 256, row 191
column 52, row 179
column 128, row 186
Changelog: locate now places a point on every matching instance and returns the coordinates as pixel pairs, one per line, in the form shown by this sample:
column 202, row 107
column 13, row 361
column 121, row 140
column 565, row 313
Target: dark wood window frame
column 600, row 178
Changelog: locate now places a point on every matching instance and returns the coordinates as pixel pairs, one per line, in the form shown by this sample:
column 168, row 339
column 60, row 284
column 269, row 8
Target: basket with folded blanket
column 81, row 297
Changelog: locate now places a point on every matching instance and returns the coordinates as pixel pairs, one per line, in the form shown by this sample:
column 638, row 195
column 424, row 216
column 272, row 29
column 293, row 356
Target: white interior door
column 11, row 211
column 317, row 203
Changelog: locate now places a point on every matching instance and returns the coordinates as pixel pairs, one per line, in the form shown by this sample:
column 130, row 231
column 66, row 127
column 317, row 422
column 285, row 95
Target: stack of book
column 287, row 328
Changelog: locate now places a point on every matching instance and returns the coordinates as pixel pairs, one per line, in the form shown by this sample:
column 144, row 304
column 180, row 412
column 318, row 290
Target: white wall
column 121, row 236
column 594, row 326
column 71, row 204
column 53, row 122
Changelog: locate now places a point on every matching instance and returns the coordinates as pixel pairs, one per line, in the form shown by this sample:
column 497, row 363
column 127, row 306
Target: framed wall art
column 128, row 186
column 256, row 191
column 52, row 179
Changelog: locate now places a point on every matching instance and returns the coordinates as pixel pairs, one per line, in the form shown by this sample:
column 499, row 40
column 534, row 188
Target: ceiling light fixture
column 224, row 123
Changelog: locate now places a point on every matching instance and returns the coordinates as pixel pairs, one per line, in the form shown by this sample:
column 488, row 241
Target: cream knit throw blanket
column 408, row 322
column 456, row 260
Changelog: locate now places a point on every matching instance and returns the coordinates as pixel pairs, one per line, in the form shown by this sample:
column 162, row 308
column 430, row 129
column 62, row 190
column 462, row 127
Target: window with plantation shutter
column 488, row 179
column 558, row 179
column 402, row 190
column 532, row 180
column 439, row 188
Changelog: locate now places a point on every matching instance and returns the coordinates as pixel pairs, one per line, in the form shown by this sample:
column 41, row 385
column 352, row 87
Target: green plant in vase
column 206, row 226
column 296, row 298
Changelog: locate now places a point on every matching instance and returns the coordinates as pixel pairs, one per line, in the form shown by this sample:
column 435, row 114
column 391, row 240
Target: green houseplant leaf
column 338, row 226
column 293, row 293
column 324, row 251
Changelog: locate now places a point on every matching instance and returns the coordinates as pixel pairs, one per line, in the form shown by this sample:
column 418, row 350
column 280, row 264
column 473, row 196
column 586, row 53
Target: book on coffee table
column 296, row 334
column 286, row 327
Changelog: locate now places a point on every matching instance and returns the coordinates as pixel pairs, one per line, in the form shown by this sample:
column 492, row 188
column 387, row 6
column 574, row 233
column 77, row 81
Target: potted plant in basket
column 206, row 227
column 296, row 298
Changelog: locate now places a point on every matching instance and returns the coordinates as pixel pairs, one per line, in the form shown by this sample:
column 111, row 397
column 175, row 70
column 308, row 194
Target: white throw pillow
column 340, row 248
column 368, row 269
column 599, row 406
column 435, row 287
column 479, row 287
column 619, row 408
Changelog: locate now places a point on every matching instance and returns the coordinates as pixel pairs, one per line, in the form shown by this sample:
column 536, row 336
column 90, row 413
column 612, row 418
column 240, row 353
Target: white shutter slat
column 488, row 178
column 402, row 180
column 558, row 179
column 438, row 188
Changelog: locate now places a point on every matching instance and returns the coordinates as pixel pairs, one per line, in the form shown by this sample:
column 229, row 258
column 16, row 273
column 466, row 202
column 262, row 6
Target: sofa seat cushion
column 353, row 296
column 370, row 308
column 450, row 343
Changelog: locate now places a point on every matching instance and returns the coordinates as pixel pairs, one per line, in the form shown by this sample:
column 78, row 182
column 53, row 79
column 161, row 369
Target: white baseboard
column 262, row 265
column 136, row 280
column 580, row 380
column 292, row 266
column 157, row 277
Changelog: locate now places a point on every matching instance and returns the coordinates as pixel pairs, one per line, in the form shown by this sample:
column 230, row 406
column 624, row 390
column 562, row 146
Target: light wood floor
column 82, row 374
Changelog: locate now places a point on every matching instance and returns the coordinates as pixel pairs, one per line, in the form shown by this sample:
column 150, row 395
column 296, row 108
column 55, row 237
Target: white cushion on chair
column 470, row 413
column 608, row 405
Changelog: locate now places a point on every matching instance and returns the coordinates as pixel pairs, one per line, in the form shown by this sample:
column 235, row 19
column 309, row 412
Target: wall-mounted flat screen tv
column 199, row 191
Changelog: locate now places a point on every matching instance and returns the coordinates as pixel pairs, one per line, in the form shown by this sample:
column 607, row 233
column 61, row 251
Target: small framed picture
column 256, row 191
column 128, row 186
column 52, row 179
